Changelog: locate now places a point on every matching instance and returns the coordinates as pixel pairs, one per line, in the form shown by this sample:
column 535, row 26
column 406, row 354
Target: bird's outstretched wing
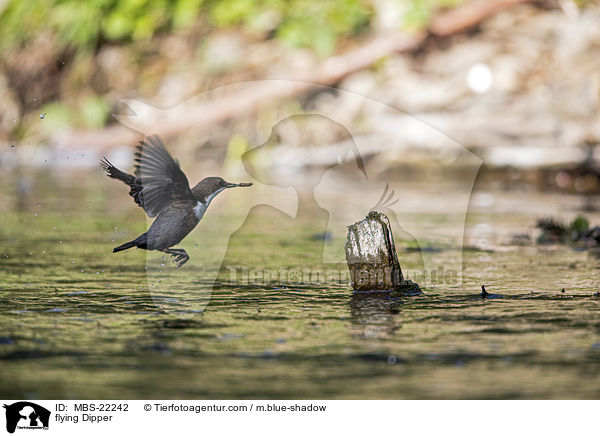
column 158, row 180
column 162, row 180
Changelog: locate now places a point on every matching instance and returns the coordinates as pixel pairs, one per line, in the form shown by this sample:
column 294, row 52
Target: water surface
column 77, row 321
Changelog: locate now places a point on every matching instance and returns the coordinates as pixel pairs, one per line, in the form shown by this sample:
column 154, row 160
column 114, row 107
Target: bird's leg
column 179, row 254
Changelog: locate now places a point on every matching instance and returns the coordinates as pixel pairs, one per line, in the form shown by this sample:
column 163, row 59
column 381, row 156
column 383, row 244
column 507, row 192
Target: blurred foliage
column 582, row 3
column 578, row 227
column 555, row 231
column 74, row 31
column 420, row 12
column 83, row 25
column 317, row 24
column 306, row 23
column 89, row 112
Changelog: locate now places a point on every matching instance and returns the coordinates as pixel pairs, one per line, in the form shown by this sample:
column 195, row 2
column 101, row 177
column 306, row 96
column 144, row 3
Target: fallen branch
column 469, row 15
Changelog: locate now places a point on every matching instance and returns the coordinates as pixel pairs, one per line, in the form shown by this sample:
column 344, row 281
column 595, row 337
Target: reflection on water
column 87, row 323
column 373, row 314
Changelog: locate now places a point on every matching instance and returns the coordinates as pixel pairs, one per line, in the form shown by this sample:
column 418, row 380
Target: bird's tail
column 125, row 246
column 140, row 242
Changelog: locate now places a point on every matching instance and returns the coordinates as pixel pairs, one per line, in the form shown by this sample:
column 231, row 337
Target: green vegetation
column 85, row 25
column 577, row 231
column 419, row 13
column 65, row 37
column 89, row 112
column 317, row 24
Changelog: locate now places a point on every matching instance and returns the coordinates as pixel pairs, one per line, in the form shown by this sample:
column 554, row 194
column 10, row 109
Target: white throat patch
column 200, row 207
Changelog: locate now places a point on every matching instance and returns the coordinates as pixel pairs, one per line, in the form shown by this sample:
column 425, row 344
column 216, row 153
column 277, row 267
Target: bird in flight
column 160, row 187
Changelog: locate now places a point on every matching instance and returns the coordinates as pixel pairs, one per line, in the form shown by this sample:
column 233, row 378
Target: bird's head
column 209, row 187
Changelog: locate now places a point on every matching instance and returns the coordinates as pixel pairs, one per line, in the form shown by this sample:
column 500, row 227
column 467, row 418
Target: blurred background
column 480, row 115
column 515, row 82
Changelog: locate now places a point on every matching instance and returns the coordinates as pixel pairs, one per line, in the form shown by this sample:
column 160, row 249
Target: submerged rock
column 578, row 231
column 371, row 257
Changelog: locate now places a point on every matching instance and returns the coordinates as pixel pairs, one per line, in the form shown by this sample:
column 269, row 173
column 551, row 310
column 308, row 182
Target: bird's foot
column 180, row 259
column 179, row 256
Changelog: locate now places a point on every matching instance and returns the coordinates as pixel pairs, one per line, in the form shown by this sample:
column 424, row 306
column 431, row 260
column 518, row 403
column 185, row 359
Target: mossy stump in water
column 371, row 257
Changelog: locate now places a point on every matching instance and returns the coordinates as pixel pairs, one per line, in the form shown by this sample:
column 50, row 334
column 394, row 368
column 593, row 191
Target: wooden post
column 371, row 257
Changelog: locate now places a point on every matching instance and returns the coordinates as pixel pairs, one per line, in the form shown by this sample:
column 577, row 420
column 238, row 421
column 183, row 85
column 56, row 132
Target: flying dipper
column 163, row 191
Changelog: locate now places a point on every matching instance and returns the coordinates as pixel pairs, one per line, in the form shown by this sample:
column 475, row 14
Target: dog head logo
column 317, row 161
column 26, row 415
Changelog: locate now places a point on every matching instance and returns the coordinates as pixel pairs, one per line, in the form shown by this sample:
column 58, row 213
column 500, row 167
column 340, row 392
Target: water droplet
column 43, row 116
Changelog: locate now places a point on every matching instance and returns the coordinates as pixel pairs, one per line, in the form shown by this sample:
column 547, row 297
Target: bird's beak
column 241, row 185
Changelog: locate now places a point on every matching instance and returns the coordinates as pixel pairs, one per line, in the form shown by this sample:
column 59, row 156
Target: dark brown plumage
column 163, row 191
